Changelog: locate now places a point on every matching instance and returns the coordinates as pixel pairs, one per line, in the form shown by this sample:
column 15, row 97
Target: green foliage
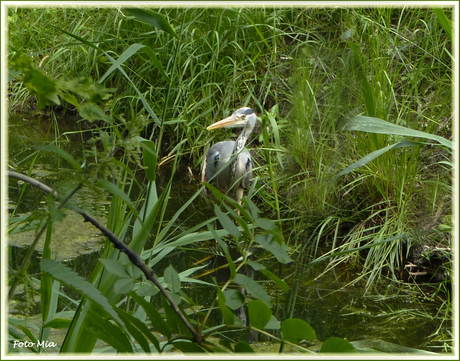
column 180, row 68
column 295, row 330
column 335, row 344
column 152, row 18
column 50, row 92
column 259, row 313
column 380, row 126
column 66, row 276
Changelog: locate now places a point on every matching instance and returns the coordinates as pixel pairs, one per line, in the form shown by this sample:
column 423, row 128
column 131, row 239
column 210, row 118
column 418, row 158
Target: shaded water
column 330, row 302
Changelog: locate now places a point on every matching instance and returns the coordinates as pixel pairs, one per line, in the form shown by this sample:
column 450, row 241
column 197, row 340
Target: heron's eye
column 243, row 116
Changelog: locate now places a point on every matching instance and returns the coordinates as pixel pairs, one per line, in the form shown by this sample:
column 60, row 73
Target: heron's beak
column 231, row 121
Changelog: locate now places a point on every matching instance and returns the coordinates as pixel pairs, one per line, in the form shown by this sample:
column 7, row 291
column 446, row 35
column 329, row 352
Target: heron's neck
column 238, row 147
column 241, row 140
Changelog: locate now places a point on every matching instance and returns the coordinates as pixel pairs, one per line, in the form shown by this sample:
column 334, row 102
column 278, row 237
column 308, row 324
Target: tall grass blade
column 366, row 89
column 444, row 21
column 133, row 49
column 380, row 126
column 152, row 18
column 113, row 61
column 116, row 191
column 61, row 153
column 371, row 156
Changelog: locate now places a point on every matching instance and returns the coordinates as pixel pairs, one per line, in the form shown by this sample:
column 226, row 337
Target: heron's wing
column 219, row 156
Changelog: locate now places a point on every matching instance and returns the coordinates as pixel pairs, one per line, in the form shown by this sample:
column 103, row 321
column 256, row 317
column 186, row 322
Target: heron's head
column 243, row 117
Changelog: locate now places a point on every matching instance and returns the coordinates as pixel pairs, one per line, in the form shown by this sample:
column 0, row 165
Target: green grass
column 307, row 71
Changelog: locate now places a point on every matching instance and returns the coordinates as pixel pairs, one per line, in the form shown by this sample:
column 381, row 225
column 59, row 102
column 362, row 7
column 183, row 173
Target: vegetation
column 353, row 168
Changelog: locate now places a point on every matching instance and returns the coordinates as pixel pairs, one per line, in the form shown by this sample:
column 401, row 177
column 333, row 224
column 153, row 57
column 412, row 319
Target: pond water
column 330, row 302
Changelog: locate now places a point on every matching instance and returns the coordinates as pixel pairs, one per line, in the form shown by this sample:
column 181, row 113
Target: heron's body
column 232, row 156
column 219, row 156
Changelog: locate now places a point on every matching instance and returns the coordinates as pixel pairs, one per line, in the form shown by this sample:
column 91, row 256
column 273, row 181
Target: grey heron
column 232, row 155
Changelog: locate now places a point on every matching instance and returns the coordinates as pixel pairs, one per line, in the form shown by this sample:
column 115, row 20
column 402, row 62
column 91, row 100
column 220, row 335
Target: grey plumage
column 232, row 156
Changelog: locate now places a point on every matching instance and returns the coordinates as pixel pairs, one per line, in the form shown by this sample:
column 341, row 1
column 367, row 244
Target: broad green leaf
column 337, row 344
column 233, row 299
column 147, row 289
column 226, row 222
column 252, row 207
column 371, row 156
column 58, row 323
column 134, row 331
column 255, row 265
column 172, row 279
column 373, row 345
column 259, row 313
column 444, row 21
column 282, row 284
column 108, row 332
column 21, row 62
column 348, row 34
column 40, row 85
column 226, row 343
column 188, row 347
column 125, row 316
column 146, row 219
column 48, row 293
column 271, row 227
column 172, row 319
column 114, row 266
column 225, row 248
column 73, row 280
column 253, row 288
column 157, row 321
column 152, row 18
column 86, row 88
column 92, row 112
column 123, row 285
column 295, row 330
column 149, row 157
column 71, row 99
column 133, row 271
column 279, row 250
column 62, row 153
column 266, row 224
column 273, row 324
column 229, row 317
column 380, row 126
column 243, row 347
